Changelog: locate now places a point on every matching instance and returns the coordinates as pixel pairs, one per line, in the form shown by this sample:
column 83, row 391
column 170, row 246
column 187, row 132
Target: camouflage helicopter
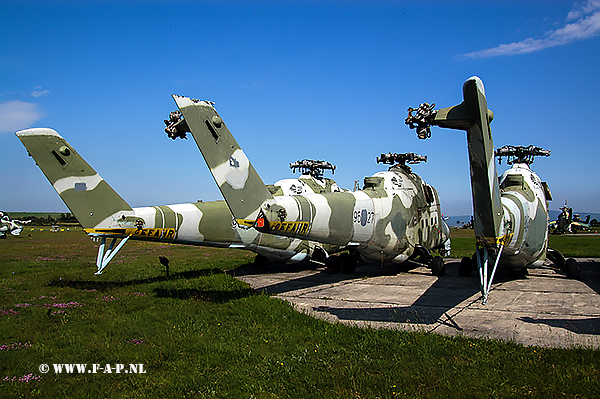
column 511, row 214
column 105, row 215
column 568, row 222
column 577, row 224
column 395, row 217
column 12, row 226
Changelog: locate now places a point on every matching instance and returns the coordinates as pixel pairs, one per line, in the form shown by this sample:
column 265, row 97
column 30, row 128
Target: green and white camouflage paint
column 395, row 217
column 104, row 214
column 510, row 213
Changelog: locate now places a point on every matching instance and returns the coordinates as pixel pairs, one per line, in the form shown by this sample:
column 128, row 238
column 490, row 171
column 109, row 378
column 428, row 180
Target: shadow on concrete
column 450, row 291
column 432, row 306
column 590, row 276
column 251, row 269
column 439, row 303
column 443, row 295
column 590, row 273
column 425, row 315
column 580, row 326
column 319, row 278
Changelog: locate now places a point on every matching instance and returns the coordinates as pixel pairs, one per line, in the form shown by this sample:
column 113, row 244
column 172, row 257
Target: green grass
column 462, row 243
column 202, row 333
column 579, row 245
column 25, row 215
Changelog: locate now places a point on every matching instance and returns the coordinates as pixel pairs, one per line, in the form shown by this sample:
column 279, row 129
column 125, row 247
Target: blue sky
column 292, row 80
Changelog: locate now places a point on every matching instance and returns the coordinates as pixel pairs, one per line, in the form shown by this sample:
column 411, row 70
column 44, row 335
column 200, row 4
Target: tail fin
column 86, row 194
column 242, row 188
column 474, row 116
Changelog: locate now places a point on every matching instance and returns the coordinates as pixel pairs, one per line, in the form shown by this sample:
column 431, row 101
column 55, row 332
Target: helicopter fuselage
column 395, row 213
column 525, row 217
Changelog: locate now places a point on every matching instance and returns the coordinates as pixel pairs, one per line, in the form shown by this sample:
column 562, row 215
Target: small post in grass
column 165, row 262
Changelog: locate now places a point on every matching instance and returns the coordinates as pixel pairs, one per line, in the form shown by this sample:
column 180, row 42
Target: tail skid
column 105, row 256
column 485, row 280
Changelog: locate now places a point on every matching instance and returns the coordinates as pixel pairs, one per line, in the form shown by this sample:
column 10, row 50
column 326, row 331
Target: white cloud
column 586, row 25
column 582, row 9
column 40, row 93
column 16, row 115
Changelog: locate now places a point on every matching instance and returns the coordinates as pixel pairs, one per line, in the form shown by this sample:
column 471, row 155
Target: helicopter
column 395, row 217
column 104, row 215
column 568, row 222
column 510, row 213
column 12, row 226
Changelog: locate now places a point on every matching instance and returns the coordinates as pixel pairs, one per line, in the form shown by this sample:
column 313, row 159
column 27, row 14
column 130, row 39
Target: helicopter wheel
column 260, row 262
column 556, row 257
column 464, row 269
column 333, row 264
column 572, row 269
column 437, row 266
column 348, row 263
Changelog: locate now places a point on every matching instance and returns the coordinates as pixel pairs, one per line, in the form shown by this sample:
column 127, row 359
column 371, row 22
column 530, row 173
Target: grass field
column 577, row 245
column 202, row 333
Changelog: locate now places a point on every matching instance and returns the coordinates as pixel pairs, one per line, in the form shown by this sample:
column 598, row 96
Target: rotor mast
column 520, row 154
column 312, row 167
column 401, row 160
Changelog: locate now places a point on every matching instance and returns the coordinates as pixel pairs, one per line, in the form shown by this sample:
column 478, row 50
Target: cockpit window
column 428, row 193
column 515, row 180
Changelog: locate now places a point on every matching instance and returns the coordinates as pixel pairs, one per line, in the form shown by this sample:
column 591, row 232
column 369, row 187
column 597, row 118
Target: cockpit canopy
column 521, row 178
column 389, row 181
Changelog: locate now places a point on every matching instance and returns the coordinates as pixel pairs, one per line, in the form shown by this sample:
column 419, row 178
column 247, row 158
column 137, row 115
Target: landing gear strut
column 483, row 257
column 435, row 263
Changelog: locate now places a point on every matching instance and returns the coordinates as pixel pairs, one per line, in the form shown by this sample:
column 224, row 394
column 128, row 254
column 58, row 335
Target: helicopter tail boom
column 473, row 116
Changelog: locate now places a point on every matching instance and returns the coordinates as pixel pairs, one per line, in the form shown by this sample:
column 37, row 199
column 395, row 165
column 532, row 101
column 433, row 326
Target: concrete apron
column 541, row 309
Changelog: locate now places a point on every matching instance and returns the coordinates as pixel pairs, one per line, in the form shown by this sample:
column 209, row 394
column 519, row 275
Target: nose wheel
column 572, row 269
column 437, row 266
